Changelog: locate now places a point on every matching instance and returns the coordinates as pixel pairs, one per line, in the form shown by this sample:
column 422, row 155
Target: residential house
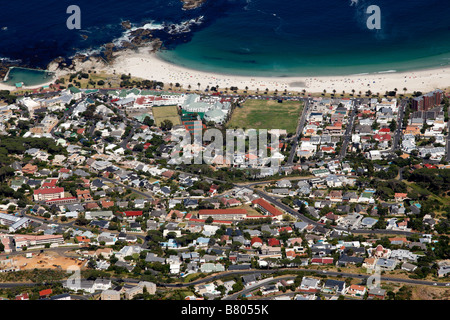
column 310, row 285
column 356, row 290
column 334, row 286
column 386, row 264
column 377, row 293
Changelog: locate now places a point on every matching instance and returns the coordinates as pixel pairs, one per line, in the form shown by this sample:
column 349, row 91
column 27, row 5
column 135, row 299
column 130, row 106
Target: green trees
column 434, row 180
column 209, row 220
column 393, row 125
column 148, row 121
column 238, row 286
column 6, row 96
column 404, row 293
column 166, row 125
column 387, row 189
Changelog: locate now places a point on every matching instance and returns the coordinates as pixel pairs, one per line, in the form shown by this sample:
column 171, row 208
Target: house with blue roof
column 202, row 241
column 170, row 244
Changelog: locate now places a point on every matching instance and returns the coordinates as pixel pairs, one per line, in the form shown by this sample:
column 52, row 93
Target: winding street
column 260, row 271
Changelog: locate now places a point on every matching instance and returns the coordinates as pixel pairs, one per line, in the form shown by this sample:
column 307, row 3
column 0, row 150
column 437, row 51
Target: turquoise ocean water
column 247, row 37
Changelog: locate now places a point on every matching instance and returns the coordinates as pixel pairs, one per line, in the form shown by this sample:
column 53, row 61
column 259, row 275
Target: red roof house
column 273, row 242
column 286, row 229
column 256, row 242
column 23, row 296
column 266, row 207
column 130, row 214
column 45, row 293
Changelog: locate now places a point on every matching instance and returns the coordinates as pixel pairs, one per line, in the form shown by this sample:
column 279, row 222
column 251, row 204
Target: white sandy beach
column 148, row 66
column 13, row 88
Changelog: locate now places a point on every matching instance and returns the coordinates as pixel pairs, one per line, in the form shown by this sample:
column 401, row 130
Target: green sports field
column 166, row 113
column 266, row 114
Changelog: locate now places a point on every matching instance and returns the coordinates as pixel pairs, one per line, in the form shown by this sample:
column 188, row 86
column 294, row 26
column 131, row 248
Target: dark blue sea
column 248, row 37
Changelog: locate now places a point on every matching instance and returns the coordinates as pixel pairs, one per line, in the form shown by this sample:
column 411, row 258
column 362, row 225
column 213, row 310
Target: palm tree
column 324, row 91
column 353, row 91
column 404, row 89
column 198, row 84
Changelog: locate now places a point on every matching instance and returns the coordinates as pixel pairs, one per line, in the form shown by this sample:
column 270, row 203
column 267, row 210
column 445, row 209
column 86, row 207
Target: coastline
column 146, row 65
column 9, row 87
column 13, row 88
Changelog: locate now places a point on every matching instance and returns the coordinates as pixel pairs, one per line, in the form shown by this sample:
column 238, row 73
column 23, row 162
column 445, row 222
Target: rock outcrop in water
column 126, row 25
column 192, row 4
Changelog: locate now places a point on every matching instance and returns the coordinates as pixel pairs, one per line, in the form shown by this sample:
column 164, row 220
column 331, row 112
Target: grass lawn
column 113, row 79
column 266, row 114
column 251, row 210
column 134, row 196
column 443, row 200
column 166, row 113
column 191, row 277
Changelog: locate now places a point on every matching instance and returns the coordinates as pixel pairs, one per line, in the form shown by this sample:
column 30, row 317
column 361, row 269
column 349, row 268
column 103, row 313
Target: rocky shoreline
column 140, row 38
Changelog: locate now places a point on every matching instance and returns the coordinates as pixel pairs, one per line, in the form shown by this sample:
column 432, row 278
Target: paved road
column 300, row 127
column 447, row 158
column 348, row 131
column 314, row 271
column 127, row 139
column 67, row 112
column 286, row 208
column 254, row 287
column 398, row 130
column 60, row 250
column 254, row 271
